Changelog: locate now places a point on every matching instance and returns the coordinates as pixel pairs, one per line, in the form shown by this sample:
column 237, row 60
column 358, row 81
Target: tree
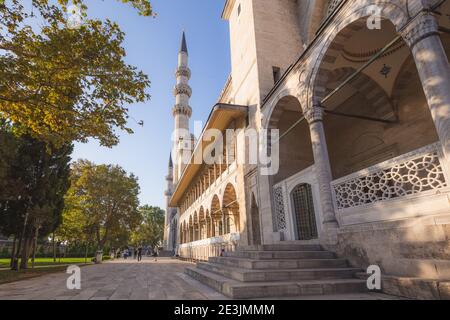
column 34, row 181
column 102, row 201
column 151, row 229
column 66, row 84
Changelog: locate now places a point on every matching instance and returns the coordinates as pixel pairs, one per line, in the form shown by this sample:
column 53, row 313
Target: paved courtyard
column 125, row 280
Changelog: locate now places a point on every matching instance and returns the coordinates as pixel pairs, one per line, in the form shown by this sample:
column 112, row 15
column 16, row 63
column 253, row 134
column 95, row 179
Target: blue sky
column 152, row 45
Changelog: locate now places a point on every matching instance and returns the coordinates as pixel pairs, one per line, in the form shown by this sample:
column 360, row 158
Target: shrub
column 5, row 253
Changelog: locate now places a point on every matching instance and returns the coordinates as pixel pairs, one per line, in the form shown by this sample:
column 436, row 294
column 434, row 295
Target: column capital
column 314, row 114
column 421, row 27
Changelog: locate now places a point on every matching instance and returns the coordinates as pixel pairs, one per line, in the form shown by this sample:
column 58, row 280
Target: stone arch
column 271, row 111
column 355, row 143
column 230, row 209
column 195, row 217
column 229, row 195
column 216, row 215
column 346, row 24
column 215, row 204
column 295, row 149
column 280, row 107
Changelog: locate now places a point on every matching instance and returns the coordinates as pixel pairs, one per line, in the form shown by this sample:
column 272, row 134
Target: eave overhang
column 227, row 9
column 220, row 118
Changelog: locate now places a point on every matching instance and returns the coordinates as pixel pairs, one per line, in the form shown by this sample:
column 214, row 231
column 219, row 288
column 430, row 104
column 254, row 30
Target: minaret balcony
column 168, row 193
column 181, row 109
column 182, row 88
column 183, row 72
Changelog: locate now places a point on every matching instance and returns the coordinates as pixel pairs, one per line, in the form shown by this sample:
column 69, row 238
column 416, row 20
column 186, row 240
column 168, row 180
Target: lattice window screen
column 332, row 6
column 305, row 219
column 424, row 173
column 279, row 217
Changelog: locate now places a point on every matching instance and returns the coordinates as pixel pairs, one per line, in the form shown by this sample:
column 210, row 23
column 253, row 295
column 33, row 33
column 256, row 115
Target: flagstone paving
column 127, row 280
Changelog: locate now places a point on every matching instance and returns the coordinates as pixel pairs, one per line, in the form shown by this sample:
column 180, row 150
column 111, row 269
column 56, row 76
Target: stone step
column 282, row 247
column 247, row 275
column 279, row 264
column 244, row 290
column 266, row 255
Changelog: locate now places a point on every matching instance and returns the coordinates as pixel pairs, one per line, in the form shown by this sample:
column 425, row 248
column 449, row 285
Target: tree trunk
column 34, row 247
column 15, row 265
column 19, row 246
column 13, row 252
column 25, row 252
column 86, row 253
column 54, row 247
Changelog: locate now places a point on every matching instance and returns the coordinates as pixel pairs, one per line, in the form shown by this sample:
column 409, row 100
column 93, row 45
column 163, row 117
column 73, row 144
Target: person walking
column 139, row 253
column 155, row 253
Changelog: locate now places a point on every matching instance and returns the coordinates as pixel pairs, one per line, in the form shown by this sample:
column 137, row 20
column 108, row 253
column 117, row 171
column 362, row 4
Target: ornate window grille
column 279, row 218
column 304, row 215
column 416, row 172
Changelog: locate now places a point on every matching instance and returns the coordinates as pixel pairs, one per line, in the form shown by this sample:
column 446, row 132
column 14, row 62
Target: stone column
column 421, row 35
column 224, row 221
column 314, row 116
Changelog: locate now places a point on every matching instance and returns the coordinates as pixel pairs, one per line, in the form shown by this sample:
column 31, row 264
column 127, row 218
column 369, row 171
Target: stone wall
column 413, row 254
column 418, row 247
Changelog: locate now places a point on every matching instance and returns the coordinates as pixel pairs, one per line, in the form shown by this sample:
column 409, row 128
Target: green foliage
column 151, row 229
column 34, row 181
column 65, row 84
column 101, row 205
column 5, row 253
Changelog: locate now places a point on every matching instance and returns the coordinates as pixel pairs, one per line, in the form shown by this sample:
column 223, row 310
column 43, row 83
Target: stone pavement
column 127, row 280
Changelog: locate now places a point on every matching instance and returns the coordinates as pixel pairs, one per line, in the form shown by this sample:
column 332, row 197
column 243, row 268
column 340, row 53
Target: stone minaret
column 182, row 112
column 168, row 194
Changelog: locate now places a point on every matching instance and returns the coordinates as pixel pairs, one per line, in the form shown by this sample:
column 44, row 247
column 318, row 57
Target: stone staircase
column 278, row 270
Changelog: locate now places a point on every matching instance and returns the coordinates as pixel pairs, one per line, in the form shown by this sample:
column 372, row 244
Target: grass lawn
column 4, row 263
column 11, row 276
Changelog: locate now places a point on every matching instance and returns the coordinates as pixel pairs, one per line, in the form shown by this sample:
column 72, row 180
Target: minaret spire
column 183, row 47
column 182, row 112
column 170, row 161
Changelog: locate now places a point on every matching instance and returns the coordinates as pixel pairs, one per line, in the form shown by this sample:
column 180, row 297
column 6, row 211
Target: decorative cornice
column 421, row 27
column 181, row 109
column 182, row 88
column 183, row 71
